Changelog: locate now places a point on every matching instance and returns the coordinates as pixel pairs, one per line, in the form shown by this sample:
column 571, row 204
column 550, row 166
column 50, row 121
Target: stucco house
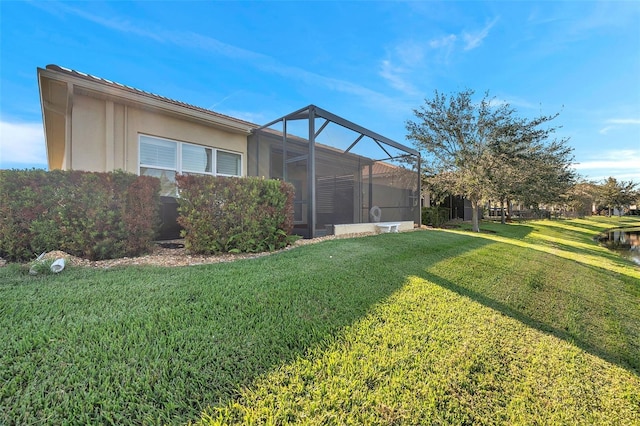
column 94, row 124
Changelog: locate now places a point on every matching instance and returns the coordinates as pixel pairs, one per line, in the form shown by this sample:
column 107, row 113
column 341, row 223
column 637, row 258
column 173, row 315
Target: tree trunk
column 475, row 221
column 504, row 217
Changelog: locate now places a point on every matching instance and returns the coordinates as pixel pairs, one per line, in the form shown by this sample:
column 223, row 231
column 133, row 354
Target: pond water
column 624, row 241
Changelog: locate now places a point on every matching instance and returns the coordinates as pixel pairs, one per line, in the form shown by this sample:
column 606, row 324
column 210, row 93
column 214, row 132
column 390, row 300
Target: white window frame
column 179, row 169
column 194, row 172
column 215, row 162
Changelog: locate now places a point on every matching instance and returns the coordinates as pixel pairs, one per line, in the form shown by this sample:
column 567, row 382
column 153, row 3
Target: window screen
column 164, row 158
column 227, row 163
column 196, row 158
column 157, row 152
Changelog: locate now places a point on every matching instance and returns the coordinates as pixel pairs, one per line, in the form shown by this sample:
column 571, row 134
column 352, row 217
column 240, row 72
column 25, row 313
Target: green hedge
column 435, row 216
column 90, row 215
column 225, row 214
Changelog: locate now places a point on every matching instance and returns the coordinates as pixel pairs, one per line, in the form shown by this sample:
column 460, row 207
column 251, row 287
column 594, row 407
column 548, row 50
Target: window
column 159, row 158
column 196, row 159
column 228, row 163
column 162, row 158
column 158, row 152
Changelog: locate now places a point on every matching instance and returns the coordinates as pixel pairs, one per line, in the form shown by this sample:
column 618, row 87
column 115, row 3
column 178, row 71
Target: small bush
column 435, row 216
column 225, row 214
column 91, row 215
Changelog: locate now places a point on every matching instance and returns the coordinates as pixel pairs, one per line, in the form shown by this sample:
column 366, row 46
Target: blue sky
column 370, row 62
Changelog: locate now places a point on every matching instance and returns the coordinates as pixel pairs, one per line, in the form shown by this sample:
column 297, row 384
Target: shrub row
column 86, row 214
column 435, row 216
column 226, row 214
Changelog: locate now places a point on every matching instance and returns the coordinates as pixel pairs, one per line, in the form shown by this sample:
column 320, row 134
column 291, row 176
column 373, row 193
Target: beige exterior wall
column 56, row 119
column 104, row 134
column 88, row 136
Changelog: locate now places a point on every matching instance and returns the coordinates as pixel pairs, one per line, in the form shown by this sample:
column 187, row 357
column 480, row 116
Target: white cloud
column 251, row 117
column 512, row 101
column 394, row 75
column 520, row 102
column 408, row 60
column 443, row 47
column 400, row 64
column 411, row 53
column 621, row 164
column 473, row 40
column 624, row 121
column 608, row 164
column 618, row 122
column 610, row 16
column 411, row 57
column 22, row 143
column 192, row 40
column 443, row 42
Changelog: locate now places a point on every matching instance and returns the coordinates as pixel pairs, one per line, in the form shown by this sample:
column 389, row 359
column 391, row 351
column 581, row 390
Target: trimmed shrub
column 435, row 216
column 86, row 214
column 227, row 214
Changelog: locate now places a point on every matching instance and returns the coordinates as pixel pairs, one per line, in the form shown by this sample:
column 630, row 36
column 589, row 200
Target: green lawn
column 528, row 323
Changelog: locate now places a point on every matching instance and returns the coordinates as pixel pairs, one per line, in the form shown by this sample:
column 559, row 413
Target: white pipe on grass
column 57, row 266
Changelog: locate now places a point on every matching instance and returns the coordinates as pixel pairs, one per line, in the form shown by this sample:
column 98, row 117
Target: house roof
column 114, row 88
column 72, row 80
column 383, row 168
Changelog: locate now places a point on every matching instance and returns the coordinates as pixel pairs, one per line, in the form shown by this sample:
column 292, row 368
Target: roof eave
column 146, row 100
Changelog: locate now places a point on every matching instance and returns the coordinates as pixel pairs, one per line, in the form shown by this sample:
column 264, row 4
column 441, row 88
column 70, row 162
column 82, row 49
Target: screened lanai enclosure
column 342, row 173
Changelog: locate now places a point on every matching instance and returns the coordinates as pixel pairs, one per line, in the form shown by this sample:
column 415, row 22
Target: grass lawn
column 529, row 323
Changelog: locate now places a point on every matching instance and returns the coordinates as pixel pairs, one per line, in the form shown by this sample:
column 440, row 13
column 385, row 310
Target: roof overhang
column 100, row 88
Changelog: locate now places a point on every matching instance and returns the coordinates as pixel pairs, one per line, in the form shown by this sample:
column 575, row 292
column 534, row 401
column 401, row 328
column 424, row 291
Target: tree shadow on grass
column 597, row 251
column 158, row 345
column 587, row 229
column 542, row 241
column 628, row 361
column 161, row 344
column 605, row 319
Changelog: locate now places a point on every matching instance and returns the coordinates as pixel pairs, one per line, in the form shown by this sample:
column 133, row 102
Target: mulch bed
column 172, row 253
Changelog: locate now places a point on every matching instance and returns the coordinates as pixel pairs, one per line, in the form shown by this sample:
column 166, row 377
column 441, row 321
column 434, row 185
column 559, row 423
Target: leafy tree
column 616, row 195
column 526, row 165
column 455, row 133
column 580, row 198
column 549, row 173
column 481, row 150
